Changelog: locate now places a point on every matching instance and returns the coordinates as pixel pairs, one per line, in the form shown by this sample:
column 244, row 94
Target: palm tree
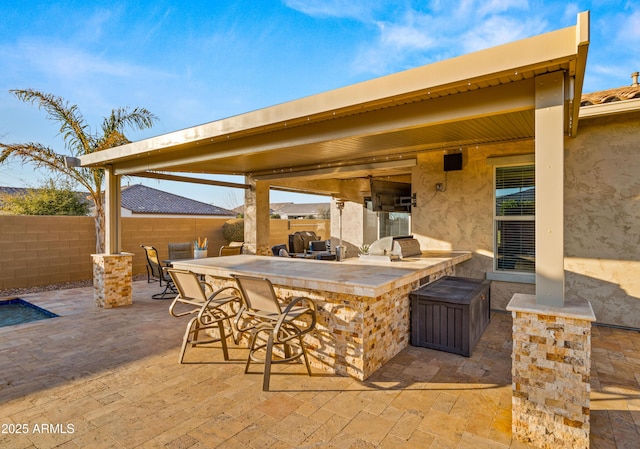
column 79, row 140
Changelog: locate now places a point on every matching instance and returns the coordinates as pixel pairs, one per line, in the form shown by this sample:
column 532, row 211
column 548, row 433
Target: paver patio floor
column 96, row 378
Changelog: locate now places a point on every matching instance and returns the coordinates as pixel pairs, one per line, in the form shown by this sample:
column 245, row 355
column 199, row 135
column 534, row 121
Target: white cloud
column 68, row 62
column 354, row 9
column 416, row 31
column 629, row 29
column 498, row 30
column 412, row 33
column 438, row 30
column 571, row 11
column 499, row 6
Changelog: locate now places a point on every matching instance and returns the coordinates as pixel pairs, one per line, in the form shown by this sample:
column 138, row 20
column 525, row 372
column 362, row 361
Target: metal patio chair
column 211, row 313
column 155, row 272
column 230, row 250
column 280, row 325
column 179, row 251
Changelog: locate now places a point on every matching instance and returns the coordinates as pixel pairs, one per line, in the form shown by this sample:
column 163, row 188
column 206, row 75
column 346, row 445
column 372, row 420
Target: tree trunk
column 99, row 221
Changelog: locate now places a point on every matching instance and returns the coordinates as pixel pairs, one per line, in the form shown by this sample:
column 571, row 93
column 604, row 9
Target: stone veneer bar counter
column 363, row 306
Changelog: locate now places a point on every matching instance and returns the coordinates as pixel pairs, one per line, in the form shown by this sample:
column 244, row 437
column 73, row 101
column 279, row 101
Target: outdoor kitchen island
column 363, row 305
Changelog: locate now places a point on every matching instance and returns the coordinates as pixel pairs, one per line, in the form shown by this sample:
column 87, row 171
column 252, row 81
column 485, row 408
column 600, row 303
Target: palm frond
column 113, row 139
column 44, row 157
column 78, row 141
column 73, row 128
column 120, row 119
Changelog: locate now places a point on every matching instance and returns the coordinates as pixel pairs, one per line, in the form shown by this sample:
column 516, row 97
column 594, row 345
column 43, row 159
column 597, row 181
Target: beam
column 189, row 179
column 582, row 43
column 338, row 171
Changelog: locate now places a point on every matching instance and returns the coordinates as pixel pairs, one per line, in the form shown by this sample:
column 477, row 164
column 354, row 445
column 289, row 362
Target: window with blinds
column 514, row 216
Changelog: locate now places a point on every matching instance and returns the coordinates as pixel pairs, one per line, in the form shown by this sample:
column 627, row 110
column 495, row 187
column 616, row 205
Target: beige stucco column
column 549, row 153
column 256, row 217
column 551, row 358
column 112, row 271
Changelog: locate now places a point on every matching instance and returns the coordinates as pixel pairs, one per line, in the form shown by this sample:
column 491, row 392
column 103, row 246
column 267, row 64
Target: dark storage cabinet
column 450, row 314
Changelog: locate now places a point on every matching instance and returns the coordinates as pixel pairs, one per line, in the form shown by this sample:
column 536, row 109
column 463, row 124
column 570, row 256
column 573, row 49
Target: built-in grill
column 406, row 247
column 395, row 247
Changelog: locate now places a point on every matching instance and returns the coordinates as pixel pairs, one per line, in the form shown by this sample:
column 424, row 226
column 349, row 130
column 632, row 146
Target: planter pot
column 199, row 253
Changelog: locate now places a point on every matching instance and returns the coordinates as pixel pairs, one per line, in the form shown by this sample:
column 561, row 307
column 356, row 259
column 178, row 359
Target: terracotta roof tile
column 610, row 95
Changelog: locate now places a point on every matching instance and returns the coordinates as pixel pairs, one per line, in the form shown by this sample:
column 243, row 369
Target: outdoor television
column 390, row 196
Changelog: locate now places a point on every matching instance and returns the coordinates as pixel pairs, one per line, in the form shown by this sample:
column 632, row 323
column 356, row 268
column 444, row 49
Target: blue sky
column 197, row 61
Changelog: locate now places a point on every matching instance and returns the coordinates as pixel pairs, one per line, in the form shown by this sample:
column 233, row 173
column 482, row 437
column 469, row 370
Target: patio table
column 363, row 305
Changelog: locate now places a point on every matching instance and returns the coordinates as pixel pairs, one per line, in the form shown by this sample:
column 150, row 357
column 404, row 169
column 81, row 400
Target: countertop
column 350, row 276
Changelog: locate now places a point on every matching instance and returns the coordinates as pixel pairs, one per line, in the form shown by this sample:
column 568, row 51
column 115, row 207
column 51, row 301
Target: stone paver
column 110, row 379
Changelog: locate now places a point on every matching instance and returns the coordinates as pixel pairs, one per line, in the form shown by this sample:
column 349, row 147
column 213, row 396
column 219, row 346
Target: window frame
column 502, row 273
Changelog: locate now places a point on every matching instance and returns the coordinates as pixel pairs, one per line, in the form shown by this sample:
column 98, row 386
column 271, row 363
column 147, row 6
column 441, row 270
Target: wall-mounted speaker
column 453, row 162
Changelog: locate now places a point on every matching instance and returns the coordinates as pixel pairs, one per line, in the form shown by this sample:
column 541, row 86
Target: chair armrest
column 286, row 318
column 213, row 298
column 178, row 300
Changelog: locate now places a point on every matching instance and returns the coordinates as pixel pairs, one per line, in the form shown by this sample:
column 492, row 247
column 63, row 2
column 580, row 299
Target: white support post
column 112, row 271
column 549, row 153
column 112, row 232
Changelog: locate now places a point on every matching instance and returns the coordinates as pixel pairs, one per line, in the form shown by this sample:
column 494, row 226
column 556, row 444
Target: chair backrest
column 230, row 250
column 153, row 261
column 188, row 284
column 179, row 251
column 258, row 293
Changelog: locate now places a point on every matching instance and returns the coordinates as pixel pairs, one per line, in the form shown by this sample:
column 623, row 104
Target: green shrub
column 233, row 230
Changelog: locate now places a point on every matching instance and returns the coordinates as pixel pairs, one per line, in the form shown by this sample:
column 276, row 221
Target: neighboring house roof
column 611, row 95
column 303, row 209
column 273, row 207
column 297, row 209
column 13, row 190
column 146, row 200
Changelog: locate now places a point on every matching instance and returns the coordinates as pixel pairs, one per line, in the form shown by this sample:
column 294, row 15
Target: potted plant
column 200, row 248
column 364, row 249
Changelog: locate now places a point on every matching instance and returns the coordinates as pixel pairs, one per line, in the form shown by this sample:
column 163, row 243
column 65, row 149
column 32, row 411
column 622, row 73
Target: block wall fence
column 43, row 250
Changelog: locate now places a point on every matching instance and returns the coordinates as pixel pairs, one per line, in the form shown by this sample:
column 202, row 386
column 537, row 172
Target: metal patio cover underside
column 479, row 98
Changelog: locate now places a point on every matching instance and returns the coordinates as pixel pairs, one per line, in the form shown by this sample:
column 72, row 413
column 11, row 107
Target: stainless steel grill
column 396, row 247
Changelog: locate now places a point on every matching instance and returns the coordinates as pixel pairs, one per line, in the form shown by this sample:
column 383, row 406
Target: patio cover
column 482, row 97
column 321, row 143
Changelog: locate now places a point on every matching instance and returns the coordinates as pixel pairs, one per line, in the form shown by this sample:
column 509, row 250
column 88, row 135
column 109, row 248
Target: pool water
column 19, row 311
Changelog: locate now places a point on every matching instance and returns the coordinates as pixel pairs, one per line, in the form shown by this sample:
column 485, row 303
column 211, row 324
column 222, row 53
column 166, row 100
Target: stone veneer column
column 112, row 279
column 551, row 366
column 256, row 218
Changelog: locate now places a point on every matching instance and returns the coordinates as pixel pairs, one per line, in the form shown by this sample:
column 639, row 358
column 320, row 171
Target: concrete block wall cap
column 113, row 255
column 578, row 309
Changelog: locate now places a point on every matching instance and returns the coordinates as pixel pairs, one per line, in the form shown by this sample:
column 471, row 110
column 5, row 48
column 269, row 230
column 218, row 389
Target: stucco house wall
column 353, row 216
column 602, row 211
column 602, row 217
column 461, row 217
